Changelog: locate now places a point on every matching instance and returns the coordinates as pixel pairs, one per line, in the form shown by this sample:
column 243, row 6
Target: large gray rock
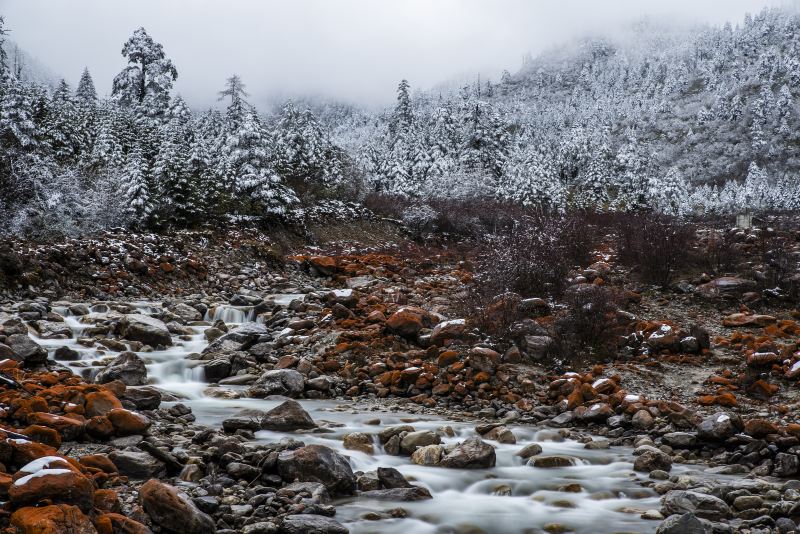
column 414, row 440
column 652, row 460
column 312, row 524
column 286, row 382
column 687, row 523
column 148, row 330
column 718, row 427
column 185, row 312
column 142, row 398
column 137, row 465
column 786, row 465
column 127, row 368
column 247, row 419
column 216, row 370
column 318, row 463
column 473, row 453
column 286, row 417
column 680, row 440
column 26, row 350
column 413, row 493
column 700, row 504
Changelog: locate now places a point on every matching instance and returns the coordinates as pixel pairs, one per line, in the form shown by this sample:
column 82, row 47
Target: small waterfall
column 230, row 314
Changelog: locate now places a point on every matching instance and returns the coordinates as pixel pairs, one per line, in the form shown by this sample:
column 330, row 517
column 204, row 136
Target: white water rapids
column 509, row 498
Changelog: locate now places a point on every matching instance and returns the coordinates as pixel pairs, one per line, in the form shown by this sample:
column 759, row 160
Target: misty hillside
column 612, row 118
column 27, row 67
column 708, row 101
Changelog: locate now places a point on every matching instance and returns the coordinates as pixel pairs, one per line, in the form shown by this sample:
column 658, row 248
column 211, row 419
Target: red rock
column 376, row 316
column 447, row 357
column 99, row 461
column 324, row 264
column 107, row 500
column 58, row 519
column 741, row 319
column 172, row 509
column 43, row 434
column 124, row 525
column 59, row 486
column 27, row 451
column 101, row 402
column 70, row 429
column 409, row 320
column 127, row 423
column 99, row 427
column 759, row 428
column 5, row 483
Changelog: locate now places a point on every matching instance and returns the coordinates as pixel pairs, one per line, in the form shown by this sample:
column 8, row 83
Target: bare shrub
column 585, row 327
column 658, row 246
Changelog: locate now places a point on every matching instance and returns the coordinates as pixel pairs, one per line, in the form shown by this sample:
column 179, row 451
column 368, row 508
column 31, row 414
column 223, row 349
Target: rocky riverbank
column 175, row 414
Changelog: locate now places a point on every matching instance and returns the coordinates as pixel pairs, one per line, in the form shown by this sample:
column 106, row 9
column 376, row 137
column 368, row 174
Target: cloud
column 354, row 50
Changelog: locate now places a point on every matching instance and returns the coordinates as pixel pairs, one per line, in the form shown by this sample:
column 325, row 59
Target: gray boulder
column 127, row 368
column 137, row 465
column 286, row 417
column 26, row 350
column 318, row 463
column 700, row 504
column 286, row 382
column 687, row 523
column 652, row 460
column 312, row 524
column 473, row 453
column 148, row 330
column 718, row 427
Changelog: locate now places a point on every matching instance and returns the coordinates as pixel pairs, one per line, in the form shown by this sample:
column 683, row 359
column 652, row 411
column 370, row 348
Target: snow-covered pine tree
column 594, row 180
column 172, row 178
column 670, row 194
column 259, row 188
column 138, row 188
column 146, row 82
column 61, row 127
column 754, row 193
column 208, row 193
column 85, row 93
column 107, row 150
column 238, row 108
column 178, row 111
column 531, row 179
column 403, row 115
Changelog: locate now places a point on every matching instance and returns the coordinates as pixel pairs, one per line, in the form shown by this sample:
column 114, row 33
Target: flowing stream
column 512, row 497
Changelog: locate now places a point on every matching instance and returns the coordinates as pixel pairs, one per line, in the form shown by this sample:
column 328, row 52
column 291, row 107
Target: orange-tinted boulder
column 69, row 428
column 101, row 402
column 60, row 486
column 127, row 422
column 124, row 525
column 99, row 427
column 27, row 451
column 173, row 510
column 99, row 461
column 43, row 434
column 758, row 428
column 58, row 519
column 107, row 500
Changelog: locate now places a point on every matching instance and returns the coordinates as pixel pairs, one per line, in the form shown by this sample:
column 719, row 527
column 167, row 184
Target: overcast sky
column 348, row 49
